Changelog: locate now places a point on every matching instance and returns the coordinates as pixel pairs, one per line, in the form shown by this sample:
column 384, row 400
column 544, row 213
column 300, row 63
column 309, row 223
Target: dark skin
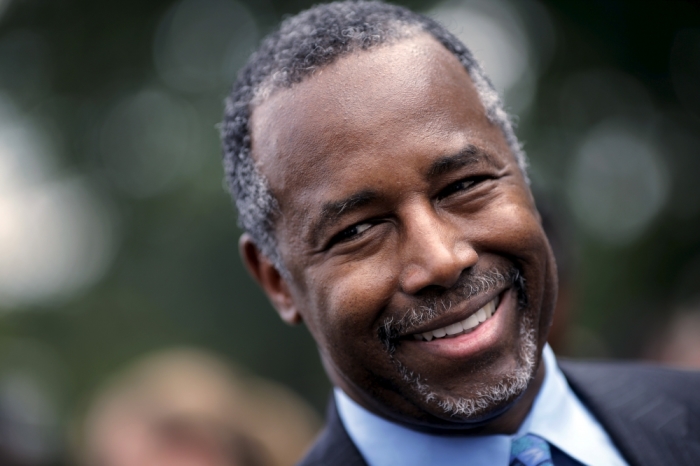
column 392, row 184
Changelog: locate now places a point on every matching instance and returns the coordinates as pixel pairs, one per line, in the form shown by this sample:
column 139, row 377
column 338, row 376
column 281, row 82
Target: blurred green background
column 117, row 237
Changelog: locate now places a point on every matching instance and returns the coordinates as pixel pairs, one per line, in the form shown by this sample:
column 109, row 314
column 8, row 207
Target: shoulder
column 650, row 412
column 617, row 378
column 333, row 446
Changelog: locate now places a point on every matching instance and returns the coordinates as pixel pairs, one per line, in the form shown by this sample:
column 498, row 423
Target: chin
column 487, row 400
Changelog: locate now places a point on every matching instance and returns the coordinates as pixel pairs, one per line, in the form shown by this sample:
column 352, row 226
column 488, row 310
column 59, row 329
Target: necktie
column 530, row 450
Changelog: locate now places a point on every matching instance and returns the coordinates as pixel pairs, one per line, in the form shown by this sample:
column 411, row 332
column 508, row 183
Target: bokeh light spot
column 56, row 235
column 148, row 143
column 618, row 182
column 499, row 41
column 200, row 44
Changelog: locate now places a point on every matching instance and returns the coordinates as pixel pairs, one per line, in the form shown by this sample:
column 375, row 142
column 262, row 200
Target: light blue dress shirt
column 557, row 415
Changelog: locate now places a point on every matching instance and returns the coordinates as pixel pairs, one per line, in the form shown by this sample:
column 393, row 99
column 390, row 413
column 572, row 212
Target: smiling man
column 386, row 205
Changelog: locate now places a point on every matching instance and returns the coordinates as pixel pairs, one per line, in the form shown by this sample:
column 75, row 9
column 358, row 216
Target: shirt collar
column 559, row 417
column 556, row 415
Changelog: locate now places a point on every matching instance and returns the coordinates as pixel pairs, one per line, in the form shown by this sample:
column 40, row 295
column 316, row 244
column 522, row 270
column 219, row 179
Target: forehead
column 373, row 107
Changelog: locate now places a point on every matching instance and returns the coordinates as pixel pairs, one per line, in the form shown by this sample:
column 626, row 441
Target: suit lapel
column 640, row 409
column 334, row 446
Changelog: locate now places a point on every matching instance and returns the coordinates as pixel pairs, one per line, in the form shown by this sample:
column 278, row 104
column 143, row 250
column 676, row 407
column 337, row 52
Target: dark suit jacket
column 652, row 415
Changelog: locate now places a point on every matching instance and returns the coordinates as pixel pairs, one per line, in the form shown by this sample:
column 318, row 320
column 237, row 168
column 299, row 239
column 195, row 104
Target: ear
column 270, row 279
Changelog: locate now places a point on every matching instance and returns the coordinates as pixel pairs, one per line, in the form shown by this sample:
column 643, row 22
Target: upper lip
column 470, row 307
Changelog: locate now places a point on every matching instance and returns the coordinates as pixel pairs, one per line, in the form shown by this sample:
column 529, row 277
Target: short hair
column 303, row 44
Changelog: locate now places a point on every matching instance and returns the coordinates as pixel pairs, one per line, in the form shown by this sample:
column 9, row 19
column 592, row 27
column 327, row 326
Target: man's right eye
column 350, row 233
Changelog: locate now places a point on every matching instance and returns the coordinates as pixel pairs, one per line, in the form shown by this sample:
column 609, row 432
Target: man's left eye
column 457, row 186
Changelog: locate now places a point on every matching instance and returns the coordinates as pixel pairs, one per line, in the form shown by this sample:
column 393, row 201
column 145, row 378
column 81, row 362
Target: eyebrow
column 332, row 211
column 470, row 155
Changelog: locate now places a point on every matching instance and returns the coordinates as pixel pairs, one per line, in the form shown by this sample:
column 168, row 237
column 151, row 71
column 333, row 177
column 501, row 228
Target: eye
column 461, row 185
column 351, row 232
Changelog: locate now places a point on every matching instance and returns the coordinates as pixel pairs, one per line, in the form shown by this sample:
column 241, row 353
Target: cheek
column 513, row 227
column 524, row 241
column 351, row 296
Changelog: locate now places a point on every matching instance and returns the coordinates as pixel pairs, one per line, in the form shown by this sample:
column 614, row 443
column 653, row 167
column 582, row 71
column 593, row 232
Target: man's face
column 403, row 213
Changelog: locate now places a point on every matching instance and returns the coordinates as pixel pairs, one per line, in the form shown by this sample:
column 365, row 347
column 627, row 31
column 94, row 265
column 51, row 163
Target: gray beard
column 489, row 396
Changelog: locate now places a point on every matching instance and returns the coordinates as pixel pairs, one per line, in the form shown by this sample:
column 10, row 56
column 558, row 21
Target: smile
column 462, row 327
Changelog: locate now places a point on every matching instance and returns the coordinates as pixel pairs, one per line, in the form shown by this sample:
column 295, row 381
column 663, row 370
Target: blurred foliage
column 176, row 278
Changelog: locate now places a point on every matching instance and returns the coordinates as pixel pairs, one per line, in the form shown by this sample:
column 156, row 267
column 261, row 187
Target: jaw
column 461, row 384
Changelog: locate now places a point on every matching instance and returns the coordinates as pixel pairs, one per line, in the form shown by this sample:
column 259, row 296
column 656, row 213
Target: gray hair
column 303, row 44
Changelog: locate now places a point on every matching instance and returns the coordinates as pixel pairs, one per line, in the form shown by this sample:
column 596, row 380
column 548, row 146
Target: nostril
column 430, row 291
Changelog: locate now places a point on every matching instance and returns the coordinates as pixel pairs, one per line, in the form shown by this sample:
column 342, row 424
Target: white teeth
column 467, row 324
column 470, row 322
column 490, row 308
column 454, row 329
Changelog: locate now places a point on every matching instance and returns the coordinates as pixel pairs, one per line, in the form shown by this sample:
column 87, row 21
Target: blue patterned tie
column 530, row 450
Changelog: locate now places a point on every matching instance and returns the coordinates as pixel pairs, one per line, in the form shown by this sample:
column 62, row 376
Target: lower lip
column 486, row 335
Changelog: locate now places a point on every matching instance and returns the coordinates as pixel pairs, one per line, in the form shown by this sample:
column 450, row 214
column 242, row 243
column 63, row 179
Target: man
column 386, row 205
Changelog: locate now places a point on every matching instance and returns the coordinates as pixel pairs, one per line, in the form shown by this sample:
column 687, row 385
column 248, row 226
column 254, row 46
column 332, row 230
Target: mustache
column 471, row 283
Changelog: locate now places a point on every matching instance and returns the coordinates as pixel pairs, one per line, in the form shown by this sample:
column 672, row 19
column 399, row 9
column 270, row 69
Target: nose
column 435, row 251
